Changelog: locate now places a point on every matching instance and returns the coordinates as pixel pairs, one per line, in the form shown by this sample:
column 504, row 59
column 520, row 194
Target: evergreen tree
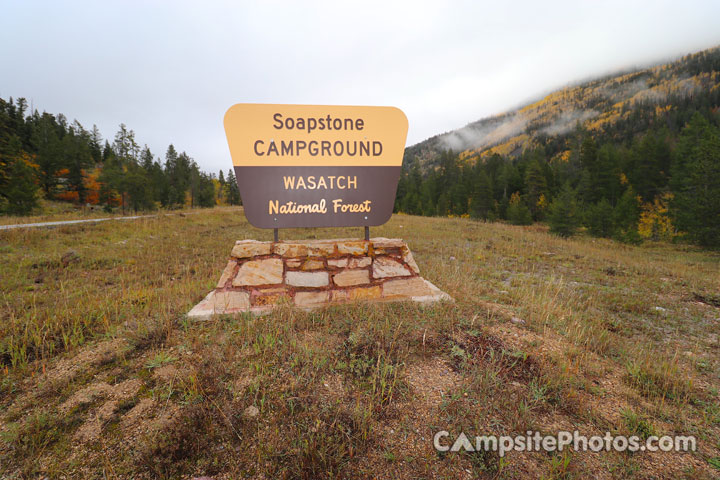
column 231, row 189
column 96, row 144
column 482, row 203
column 625, row 217
column 600, row 219
column 18, row 188
column 77, row 157
column 564, row 215
column 135, row 184
column 517, row 212
column 536, row 187
column 696, row 182
column 49, row 156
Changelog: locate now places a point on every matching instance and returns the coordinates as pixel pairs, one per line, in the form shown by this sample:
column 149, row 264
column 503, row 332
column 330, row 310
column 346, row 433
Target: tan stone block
column 338, row 295
column 384, row 246
column 260, row 272
column 303, row 299
column 321, row 249
column 359, row 262
column 338, row 262
column 313, row 265
column 271, row 296
column 217, row 303
column 307, row 279
column 365, row 293
column 384, row 267
column 290, row 249
column 250, row 248
column 352, row 247
column 409, row 260
column 409, row 287
column 227, row 273
column 347, row 278
column 231, row 301
column 382, row 242
column 293, row 262
column 269, row 291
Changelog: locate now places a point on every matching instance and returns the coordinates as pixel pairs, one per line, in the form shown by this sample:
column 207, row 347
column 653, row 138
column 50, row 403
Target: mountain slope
column 618, row 107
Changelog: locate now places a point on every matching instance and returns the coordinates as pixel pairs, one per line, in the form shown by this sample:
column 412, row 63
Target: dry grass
column 105, row 378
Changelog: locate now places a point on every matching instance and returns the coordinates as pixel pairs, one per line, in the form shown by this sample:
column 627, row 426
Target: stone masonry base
column 310, row 274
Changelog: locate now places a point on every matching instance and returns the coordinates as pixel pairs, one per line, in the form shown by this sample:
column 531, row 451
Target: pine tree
column 600, row 220
column 564, row 215
column 625, row 217
column 18, row 187
column 517, row 212
column 231, row 189
column 696, row 182
column 482, row 203
column 536, row 187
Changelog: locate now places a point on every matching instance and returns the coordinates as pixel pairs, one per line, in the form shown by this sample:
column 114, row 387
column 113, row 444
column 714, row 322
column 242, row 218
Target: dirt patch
column 334, row 390
column 166, row 373
column 68, row 368
column 319, row 341
column 121, row 391
column 432, row 380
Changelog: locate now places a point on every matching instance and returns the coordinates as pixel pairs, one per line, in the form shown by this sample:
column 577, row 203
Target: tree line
column 45, row 156
column 662, row 184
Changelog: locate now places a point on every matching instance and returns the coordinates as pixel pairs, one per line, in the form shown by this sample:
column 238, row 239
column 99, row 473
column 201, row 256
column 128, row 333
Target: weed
column 160, row 359
column 658, row 379
column 560, row 467
column 637, row 425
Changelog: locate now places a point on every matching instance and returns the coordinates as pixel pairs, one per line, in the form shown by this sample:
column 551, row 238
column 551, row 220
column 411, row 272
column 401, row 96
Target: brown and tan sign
column 316, row 166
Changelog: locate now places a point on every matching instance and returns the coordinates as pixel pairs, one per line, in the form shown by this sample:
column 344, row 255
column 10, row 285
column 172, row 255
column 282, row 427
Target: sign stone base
column 315, row 273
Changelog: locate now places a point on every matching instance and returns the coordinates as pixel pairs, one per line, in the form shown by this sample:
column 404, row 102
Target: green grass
column 356, row 390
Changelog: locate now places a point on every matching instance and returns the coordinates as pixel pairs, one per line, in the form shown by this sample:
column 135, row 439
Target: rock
column 304, row 299
column 250, row 248
column 338, row 262
column 364, row 293
column 360, row 262
column 384, row 246
column 269, row 296
column 338, row 295
column 410, row 287
column 307, row 279
column 352, row 247
column 384, row 267
column 71, row 256
column 313, row 265
column 251, row 411
column 382, row 242
column 409, row 260
column 220, row 303
column 319, row 249
column 260, row 275
column 291, row 250
column 227, row 273
column 260, row 272
column 347, row 278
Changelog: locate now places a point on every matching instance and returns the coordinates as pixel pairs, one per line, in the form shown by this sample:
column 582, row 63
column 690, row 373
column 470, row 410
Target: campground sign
column 316, row 166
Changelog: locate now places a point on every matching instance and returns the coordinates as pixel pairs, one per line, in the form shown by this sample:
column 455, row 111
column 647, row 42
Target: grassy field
column 103, row 377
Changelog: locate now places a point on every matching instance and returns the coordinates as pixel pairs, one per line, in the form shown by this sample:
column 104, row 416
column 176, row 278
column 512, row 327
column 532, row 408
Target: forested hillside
column 45, row 156
column 631, row 156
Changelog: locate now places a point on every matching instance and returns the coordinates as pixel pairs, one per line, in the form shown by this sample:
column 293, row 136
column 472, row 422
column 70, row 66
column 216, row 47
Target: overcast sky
column 169, row 70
